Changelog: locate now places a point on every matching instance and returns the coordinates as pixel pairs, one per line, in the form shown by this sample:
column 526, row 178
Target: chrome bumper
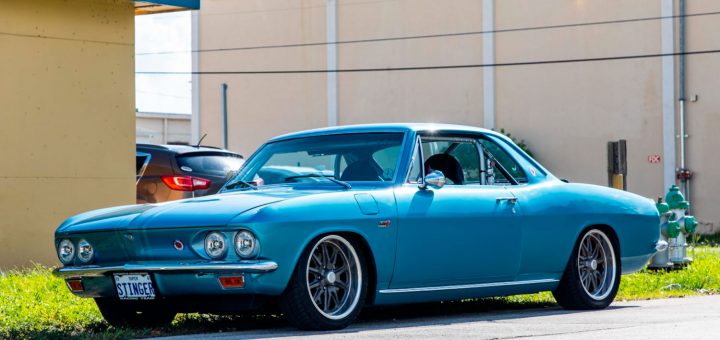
column 259, row 266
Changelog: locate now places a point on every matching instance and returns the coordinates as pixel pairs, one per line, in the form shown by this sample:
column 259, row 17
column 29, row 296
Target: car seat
column 361, row 170
column 449, row 166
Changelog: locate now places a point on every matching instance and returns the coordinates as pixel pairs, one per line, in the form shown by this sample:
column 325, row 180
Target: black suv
column 171, row 172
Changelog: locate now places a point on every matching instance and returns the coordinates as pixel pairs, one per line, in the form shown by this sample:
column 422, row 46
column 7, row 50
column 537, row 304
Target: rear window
column 218, row 165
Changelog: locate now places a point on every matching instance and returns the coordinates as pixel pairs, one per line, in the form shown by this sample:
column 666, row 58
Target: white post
column 331, row 49
column 667, row 32
column 195, row 78
column 488, row 24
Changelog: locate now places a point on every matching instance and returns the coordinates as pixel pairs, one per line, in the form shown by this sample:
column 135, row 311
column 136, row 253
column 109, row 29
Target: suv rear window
column 218, row 165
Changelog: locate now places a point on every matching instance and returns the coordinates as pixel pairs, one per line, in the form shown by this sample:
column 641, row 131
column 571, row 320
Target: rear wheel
column 134, row 314
column 592, row 275
column 328, row 286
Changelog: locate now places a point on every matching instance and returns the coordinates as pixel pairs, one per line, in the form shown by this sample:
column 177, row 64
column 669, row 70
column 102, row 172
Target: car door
column 459, row 234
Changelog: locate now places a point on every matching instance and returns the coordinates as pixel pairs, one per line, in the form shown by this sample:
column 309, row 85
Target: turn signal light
column 186, row 183
column 232, row 281
column 75, row 285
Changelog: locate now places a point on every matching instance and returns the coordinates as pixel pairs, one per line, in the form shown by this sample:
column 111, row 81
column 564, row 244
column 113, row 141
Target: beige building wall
column 66, row 118
column 703, row 115
column 566, row 112
column 162, row 128
column 443, row 96
column 265, row 105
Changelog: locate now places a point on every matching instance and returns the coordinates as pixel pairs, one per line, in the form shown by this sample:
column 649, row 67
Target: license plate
column 134, row 286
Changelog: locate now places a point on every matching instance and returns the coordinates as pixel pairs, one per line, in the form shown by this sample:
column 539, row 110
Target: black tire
column 588, row 282
column 134, row 314
column 322, row 312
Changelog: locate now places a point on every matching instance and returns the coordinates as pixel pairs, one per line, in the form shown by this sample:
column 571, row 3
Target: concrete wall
column 566, row 112
column 587, row 103
column 449, row 96
column 261, row 106
column 67, row 118
column 703, row 115
column 162, row 128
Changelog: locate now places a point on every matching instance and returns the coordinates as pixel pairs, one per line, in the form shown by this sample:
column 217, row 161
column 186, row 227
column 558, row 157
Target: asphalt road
column 680, row 318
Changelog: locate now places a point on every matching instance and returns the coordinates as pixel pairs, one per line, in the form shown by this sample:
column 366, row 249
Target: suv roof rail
column 152, row 146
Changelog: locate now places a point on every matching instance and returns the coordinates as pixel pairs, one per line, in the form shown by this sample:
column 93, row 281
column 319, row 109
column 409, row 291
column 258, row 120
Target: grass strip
column 35, row 304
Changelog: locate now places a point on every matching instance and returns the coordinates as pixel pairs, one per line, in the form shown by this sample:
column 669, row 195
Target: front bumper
column 257, row 266
column 179, row 279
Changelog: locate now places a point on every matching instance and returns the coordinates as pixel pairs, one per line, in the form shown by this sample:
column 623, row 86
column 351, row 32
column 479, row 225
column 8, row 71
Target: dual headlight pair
column 66, row 251
column 246, row 244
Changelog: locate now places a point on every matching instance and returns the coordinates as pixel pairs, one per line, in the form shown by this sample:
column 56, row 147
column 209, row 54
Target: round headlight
column 85, row 251
column 66, row 251
column 215, row 245
column 246, row 245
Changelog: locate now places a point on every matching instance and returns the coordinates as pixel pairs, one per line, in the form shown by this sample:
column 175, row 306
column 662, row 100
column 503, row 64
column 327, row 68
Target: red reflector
column 186, row 183
column 75, row 285
column 232, row 281
column 200, row 183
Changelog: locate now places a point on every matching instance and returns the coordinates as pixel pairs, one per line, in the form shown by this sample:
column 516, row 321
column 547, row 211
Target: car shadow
column 271, row 324
column 387, row 317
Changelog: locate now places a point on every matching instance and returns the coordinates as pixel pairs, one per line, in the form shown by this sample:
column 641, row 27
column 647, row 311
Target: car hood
column 214, row 210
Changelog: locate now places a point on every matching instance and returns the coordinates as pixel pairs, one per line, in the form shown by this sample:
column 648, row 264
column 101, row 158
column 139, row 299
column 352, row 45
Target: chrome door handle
column 511, row 200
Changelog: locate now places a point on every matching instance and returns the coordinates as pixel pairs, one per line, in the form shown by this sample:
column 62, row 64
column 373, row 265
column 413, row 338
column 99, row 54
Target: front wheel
column 328, row 286
column 592, row 275
column 134, row 314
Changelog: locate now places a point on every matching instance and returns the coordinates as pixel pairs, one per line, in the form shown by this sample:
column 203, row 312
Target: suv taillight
column 186, row 183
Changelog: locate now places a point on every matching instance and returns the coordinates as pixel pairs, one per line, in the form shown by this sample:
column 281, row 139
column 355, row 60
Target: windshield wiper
column 239, row 182
column 346, row 185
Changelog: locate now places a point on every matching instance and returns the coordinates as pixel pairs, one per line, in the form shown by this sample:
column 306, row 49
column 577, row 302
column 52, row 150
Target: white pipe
column 682, row 133
column 224, row 107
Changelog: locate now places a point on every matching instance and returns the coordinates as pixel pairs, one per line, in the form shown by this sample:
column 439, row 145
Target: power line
column 287, row 9
column 49, row 37
column 442, row 35
column 442, row 67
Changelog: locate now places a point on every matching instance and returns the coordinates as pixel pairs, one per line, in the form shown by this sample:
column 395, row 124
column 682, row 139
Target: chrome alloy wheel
column 334, row 277
column 596, row 265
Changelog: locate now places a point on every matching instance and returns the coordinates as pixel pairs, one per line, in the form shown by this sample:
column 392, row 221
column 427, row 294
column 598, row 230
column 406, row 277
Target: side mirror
column 435, row 180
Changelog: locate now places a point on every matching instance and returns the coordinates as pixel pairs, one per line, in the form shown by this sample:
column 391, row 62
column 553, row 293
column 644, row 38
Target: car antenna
column 200, row 141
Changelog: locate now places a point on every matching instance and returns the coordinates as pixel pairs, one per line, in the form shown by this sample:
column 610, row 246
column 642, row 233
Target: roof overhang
column 162, row 6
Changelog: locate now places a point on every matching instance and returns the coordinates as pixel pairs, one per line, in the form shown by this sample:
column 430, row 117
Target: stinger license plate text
column 134, row 286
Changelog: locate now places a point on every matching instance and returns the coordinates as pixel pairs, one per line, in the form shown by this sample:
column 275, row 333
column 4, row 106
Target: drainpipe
column 224, row 115
column 683, row 173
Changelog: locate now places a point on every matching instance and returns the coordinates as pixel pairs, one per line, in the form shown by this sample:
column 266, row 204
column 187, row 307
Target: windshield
column 357, row 157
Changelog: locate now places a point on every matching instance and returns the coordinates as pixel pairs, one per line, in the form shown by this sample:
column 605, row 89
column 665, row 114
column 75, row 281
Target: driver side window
column 458, row 159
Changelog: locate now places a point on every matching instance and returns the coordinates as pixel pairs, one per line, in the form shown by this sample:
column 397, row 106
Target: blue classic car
column 391, row 214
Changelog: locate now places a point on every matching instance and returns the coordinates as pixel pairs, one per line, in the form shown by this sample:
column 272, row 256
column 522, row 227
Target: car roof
column 182, row 149
column 394, row 127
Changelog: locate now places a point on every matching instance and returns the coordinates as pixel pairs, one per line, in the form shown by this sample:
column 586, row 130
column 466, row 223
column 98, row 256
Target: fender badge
column 384, row 224
column 129, row 236
column 178, row 245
